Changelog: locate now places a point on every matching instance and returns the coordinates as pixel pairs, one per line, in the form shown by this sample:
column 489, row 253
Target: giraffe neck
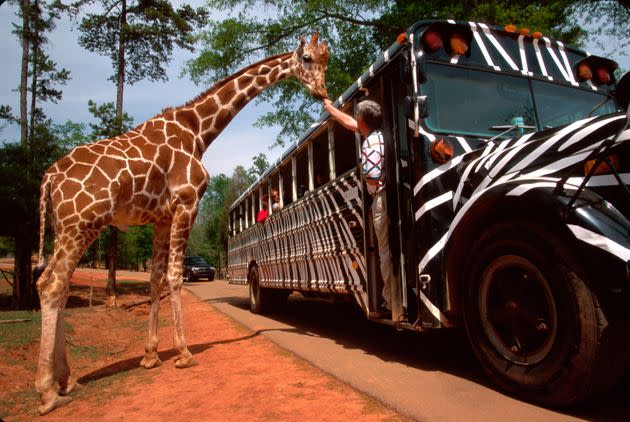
column 208, row 114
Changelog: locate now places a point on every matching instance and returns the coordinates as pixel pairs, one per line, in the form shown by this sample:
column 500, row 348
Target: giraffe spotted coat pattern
column 151, row 174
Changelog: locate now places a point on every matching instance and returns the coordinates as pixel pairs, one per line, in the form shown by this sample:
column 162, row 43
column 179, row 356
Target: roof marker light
column 432, row 41
column 458, row 44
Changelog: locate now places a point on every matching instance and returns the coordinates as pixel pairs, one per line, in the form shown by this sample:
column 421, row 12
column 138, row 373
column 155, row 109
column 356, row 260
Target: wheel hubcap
column 518, row 311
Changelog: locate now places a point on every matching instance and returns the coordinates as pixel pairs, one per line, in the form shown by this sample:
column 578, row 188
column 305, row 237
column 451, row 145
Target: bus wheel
column 259, row 297
column 532, row 321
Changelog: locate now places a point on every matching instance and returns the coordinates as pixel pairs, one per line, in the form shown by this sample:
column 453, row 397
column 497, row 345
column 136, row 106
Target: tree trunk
column 112, row 247
column 34, row 54
column 24, row 294
column 121, row 61
column 24, row 74
column 112, row 252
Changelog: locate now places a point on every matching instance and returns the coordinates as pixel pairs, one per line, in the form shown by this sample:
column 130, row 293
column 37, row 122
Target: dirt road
column 240, row 375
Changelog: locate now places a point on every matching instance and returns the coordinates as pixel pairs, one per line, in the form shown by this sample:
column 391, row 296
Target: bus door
column 381, row 92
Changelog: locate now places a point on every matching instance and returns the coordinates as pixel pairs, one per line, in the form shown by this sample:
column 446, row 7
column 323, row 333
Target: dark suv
column 195, row 267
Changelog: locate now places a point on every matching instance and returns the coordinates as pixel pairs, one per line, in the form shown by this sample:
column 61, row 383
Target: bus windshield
column 472, row 102
column 485, row 104
column 558, row 105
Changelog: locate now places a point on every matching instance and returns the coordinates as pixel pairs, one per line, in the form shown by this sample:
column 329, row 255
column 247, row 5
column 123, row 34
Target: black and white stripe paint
column 532, row 161
column 315, row 244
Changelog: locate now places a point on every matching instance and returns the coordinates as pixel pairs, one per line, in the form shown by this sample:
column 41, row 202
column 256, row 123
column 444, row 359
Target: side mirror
column 423, row 106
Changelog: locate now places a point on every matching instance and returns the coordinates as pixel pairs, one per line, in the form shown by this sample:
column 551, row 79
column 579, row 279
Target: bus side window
column 287, row 180
column 275, row 203
column 302, row 171
column 346, row 157
column 321, row 172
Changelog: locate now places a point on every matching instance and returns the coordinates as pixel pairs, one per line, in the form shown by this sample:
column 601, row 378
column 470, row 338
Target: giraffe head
column 309, row 65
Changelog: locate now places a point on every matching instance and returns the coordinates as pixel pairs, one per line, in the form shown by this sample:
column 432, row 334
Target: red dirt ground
column 239, row 375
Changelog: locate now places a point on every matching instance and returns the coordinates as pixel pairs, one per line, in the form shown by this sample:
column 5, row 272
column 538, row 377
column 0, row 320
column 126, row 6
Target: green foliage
column 260, row 164
column 135, row 247
column 357, row 31
column 210, row 232
column 108, row 123
column 19, row 334
column 71, row 134
column 21, row 170
column 146, row 30
column 7, row 245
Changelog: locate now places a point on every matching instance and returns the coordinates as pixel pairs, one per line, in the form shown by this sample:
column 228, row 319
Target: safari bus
column 507, row 168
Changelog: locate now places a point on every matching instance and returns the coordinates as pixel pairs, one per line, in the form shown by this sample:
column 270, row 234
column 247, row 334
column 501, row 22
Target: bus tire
column 260, row 298
column 532, row 321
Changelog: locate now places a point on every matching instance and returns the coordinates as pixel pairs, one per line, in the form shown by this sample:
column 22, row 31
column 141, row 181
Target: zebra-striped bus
column 506, row 168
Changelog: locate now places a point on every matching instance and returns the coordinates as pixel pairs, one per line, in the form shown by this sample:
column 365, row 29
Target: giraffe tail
column 44, row 192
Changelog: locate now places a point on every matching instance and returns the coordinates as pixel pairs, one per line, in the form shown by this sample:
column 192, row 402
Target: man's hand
column 328, row 105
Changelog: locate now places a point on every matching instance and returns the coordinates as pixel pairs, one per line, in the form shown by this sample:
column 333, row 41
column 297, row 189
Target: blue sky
column 237, row 144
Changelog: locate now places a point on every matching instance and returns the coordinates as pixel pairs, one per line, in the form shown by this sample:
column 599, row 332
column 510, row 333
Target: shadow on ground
column 440, row 350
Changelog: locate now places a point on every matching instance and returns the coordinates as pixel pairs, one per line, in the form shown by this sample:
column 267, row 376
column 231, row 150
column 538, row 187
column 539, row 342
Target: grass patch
column 19, row 334
column 132, row 286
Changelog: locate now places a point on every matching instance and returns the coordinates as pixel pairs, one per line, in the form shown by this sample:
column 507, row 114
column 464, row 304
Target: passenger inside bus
column 263, row 214
column 275, row 198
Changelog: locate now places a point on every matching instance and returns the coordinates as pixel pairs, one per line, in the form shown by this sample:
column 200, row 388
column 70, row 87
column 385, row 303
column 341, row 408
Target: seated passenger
column 276, row 201
column 263, row 214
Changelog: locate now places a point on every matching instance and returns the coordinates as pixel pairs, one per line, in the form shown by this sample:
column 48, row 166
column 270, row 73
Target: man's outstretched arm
column 344, row 119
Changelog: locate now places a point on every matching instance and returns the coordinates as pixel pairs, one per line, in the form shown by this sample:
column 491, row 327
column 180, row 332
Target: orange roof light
column 524, row 31
column 458, row 44
column 537, row 34
column 584, row 72
column 603, row 76
column 510, row 28
column 432, row 41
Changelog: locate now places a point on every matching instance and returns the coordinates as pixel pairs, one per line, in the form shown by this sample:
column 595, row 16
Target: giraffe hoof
column 150, row 362
column 52, row 404
column 70, row 387
column 185, row 362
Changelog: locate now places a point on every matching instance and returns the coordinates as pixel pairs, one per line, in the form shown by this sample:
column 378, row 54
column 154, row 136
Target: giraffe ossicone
column 151, row 174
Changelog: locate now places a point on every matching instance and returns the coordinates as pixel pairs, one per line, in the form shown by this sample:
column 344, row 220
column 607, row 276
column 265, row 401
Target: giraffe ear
column 300, row 49
column 314, row 39
column 324, row 50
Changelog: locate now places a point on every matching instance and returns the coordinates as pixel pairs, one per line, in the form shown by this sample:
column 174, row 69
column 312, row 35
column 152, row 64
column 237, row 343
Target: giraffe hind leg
column 53, row 288
column 161, row 237
column 180, row 230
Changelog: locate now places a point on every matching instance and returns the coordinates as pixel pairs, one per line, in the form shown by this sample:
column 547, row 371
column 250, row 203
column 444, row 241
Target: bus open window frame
column 286, row 178
column 342, row 144
column 320, row 146
column 302, row 178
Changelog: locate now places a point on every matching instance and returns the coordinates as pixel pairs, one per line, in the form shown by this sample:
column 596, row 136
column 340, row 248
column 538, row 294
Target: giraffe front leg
column 161, row 237
column 180, row 230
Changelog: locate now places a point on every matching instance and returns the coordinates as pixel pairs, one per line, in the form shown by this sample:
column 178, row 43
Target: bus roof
column 543, row 57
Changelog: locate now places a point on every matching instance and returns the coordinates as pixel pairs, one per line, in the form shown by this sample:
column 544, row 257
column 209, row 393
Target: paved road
column 430, row 377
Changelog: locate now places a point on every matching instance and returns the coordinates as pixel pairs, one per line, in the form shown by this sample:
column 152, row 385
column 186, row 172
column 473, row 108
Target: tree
column 21, row 168
column 209, row 235
column 357, row 31
column 259, row 165
column 39, row 76
column 142, row 33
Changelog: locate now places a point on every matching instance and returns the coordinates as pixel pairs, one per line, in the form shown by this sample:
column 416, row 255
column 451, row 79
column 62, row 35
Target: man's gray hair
column 370, row 112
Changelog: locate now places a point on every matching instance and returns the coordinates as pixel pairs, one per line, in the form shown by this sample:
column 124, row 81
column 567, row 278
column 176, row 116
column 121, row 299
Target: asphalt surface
column 427, row 376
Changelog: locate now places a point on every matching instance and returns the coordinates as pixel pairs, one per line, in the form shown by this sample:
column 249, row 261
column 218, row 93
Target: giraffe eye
column 307, row 58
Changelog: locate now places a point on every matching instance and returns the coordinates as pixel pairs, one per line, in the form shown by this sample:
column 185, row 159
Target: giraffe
column 151, row 174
